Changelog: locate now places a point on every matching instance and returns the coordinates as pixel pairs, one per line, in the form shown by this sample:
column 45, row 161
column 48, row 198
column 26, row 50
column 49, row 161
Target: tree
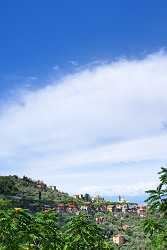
column 20, row 230
column 82, row 234
column 47, row 232
column 7, row 185
column 157, row 199
column 87, row 197
column 156, row 224
column 15, row 225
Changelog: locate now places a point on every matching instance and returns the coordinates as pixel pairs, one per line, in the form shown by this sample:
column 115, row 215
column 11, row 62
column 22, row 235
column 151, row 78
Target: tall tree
column 156, row 224
column 157, row 199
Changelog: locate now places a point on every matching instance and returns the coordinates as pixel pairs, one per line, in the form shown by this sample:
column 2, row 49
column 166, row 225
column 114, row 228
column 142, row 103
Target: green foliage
column 158, row 198
column 21, row 230
column 152, row 226
column 82, row 234
column 4, row 203
column 14, row 228
column 47, row 231
column 8, row 185
column 156, row 224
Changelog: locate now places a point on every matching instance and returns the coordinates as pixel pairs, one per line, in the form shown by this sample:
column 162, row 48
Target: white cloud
column 108, row 114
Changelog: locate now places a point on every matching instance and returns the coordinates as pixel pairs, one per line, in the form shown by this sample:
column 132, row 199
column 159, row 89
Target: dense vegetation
column 22, row 228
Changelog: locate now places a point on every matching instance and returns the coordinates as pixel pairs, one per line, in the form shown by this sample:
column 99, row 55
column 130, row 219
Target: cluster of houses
column 62, row 208
column 116, row 209
column 126, row 208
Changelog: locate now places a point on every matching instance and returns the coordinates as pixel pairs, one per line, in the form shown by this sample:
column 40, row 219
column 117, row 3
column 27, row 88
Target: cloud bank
column 100, row 129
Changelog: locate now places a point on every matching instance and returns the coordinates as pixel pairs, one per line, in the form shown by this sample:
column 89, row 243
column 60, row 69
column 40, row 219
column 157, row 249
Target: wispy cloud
column 103, row 115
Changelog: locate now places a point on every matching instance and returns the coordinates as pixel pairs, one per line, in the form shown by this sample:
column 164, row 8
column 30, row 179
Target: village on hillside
column 99, row 204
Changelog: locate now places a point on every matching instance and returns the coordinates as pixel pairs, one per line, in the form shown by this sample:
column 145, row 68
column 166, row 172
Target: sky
column 83, row 88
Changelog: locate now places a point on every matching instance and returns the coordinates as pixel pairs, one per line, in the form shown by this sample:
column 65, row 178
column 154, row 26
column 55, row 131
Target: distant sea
column 137, row 199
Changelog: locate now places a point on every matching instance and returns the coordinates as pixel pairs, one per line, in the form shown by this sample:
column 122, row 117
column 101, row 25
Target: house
column 119, row 239
column 60, row 208
column 132, row 208
column 99, row 220
column 124, row 208
column 110, row 208
column 118, row 208
column 53, row 188
column 141, row 211
column 103, row 208
column 72, row 208
column 86, row 207
column 79, row 196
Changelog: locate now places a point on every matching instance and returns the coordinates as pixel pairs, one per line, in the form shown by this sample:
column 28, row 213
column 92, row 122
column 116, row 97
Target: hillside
column 27, row 193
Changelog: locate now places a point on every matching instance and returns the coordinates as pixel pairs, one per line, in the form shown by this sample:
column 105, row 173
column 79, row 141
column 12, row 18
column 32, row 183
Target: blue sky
column 36, row 35
column 83, row 93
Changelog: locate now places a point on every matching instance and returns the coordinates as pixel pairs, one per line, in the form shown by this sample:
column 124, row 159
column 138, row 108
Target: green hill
column 27, row 193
